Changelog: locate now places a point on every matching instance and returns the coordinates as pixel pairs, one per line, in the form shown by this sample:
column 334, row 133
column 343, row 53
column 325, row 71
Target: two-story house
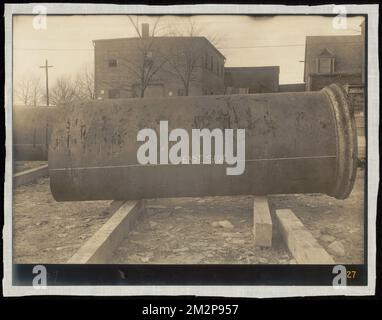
column 157, row 67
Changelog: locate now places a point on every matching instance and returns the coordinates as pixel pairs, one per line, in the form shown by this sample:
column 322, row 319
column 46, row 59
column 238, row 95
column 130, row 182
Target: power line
column 238, row 47
column 218, row 47
column 265, row 46
column 289, row 45
column 50, row 49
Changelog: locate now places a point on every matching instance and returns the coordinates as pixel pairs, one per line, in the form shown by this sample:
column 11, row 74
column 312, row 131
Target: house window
column 325, row 65
column 325, row 62
column 114, row 94
column 206, row 61
column 112, row 63
column 212, row 64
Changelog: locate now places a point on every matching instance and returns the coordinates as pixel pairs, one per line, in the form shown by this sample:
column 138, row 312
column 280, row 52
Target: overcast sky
column 244, row 40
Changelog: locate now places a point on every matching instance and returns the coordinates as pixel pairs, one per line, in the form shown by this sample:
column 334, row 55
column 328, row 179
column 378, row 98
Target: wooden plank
column 100, row 247
column 361, row 148
column 30, row 175
column 262, row 222
column 360, row 124
column 301, row 243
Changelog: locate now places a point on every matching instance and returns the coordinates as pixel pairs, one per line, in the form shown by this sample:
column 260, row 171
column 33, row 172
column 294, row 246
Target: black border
column 180, row 275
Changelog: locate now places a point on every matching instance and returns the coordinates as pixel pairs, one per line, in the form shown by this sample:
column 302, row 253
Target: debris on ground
column 46, row 231
column 184, row 230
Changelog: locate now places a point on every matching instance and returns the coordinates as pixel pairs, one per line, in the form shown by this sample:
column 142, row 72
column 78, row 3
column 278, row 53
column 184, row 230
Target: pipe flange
column 346, row 133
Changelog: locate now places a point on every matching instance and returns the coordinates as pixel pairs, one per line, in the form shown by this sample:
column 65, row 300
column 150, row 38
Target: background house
column 251, row 79
column 330, row 59
column 292, row 87
column 157, row 67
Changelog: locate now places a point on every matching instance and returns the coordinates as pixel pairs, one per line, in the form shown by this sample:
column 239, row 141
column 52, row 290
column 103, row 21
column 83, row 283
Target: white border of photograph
column 222, row 291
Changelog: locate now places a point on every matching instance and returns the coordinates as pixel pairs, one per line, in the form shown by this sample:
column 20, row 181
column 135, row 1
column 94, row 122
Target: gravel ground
column 338, row 225
column 187, row 230
column 183, row 230
column 46, row 231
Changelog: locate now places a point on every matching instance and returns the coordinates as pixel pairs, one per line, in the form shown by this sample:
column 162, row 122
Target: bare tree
column 84, row 83
column 63, row 91
column 186, row 54
column 29, row 90
column 148, row 60
column 23, row 91
column 36, row 91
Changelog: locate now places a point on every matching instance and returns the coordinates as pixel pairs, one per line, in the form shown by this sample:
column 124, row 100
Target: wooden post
column 262, row 222
column 30, row 175
column 100, row 247
column 46, row 67
column 301, row 243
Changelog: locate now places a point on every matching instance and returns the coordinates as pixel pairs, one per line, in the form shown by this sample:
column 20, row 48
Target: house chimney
column 145, row 30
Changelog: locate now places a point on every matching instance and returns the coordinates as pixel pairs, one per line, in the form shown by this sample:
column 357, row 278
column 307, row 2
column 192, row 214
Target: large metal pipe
column 32, row 127
column 295, row 143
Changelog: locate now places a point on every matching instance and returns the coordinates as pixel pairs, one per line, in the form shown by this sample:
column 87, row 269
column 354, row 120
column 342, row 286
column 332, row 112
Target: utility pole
column 47, row 81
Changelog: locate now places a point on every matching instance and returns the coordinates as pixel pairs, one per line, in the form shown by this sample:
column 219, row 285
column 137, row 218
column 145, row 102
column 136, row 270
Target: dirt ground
column 331, row 221
column 187, row 230
column 46, row 231
column 183, row 230
column 19, row 166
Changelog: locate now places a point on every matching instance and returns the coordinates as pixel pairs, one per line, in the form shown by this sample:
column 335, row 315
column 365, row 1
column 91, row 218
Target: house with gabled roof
column 333, row 59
